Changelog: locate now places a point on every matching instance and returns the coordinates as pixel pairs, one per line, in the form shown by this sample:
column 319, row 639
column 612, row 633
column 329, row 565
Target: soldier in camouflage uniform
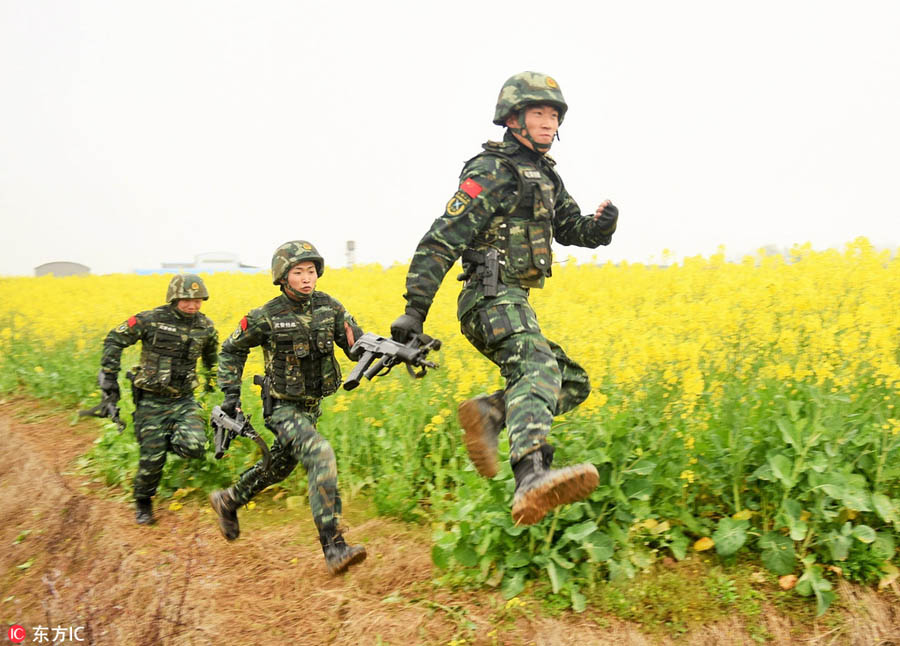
column 298, row 331
column 510, row 205
column 166, row 418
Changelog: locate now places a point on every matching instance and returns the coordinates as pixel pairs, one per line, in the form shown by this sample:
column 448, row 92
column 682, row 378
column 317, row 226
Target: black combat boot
column 338, row 555
column 143, row 511
column 540, row 488
column 222, row 500
column 482, row 418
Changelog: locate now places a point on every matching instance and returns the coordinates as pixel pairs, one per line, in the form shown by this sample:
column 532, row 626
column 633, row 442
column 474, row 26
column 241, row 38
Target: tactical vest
column 299, row 354
column 523, row 230
column 170, row 347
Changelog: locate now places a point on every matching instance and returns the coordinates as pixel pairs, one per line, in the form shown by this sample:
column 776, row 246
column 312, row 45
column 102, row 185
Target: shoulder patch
column 457, row 203
column 132, row 321
column 243, row 324
column 471, row 188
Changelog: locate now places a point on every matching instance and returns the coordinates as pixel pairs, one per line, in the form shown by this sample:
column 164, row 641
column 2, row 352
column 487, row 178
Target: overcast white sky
column 133, row 133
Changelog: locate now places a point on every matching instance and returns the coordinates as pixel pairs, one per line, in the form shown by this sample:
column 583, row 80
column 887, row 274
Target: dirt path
column 178, row 582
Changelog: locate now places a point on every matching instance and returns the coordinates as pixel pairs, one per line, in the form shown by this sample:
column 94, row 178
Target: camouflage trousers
column 541, row 381
column 164, row 424
column 296, row 441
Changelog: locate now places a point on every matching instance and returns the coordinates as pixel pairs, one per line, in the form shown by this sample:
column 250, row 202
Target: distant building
column 203, row 263
column 60, row 268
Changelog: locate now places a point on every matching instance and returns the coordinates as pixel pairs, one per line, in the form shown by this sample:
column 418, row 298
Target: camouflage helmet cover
column 289, row 254
column 186, row 286
column 528, row 88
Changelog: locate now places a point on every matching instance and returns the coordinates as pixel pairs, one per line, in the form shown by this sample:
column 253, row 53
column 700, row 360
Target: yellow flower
column 704, row 544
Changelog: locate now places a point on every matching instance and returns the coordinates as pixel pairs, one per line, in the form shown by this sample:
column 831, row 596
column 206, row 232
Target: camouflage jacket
column 509, row 198
column 298, row 340
column 171, row 343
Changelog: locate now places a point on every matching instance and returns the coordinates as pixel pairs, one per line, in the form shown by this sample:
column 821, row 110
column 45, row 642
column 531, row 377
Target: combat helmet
column 527, row 88
column 289, row 254
column 186, row 286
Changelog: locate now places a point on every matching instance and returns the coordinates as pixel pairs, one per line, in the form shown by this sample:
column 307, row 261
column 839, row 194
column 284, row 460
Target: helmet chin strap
column 293, row 293
column 522, row 131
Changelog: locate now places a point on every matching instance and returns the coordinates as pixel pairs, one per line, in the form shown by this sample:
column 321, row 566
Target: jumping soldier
column 509, row 206
column 167, row 417
column 298, row 331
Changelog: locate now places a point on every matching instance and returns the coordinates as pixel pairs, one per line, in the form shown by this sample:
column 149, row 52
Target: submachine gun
column 227, row 428
column 389, row 353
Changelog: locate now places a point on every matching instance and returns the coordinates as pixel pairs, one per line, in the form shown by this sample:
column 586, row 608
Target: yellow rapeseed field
column 821, row 317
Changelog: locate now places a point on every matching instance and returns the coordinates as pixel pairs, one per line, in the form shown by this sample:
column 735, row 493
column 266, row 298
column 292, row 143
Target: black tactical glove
column 608, row 218
column 231, row 403
column 406, row 326
column 109, row 386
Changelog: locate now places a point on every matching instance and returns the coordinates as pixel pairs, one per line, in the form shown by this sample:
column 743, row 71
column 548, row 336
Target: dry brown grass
column 179, row 583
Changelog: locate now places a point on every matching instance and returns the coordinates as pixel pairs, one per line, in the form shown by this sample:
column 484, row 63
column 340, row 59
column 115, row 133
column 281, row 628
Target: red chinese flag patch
column 470, row 187
column 132, row 321
column 244, row 324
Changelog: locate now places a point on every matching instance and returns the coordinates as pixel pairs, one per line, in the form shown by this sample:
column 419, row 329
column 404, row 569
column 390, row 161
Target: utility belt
column 482, row 268
column 269, row 400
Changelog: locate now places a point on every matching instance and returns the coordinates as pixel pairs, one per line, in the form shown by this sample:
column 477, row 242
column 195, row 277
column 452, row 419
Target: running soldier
column 297, row 331
column 167, row 417
column 509, row 207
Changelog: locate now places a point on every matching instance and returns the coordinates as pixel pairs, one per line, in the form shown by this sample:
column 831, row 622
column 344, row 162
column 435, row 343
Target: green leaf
column 838, row 545
column 777, row 553
column 864, row 533
column 782, row 468
column 679, row 544
column 579, row 602
column 884, row 546
column 763, row 472
column 641, row 468
column 513, row 584
column 485, row 543
column 440, row 557
column 516, row 560
column 857, row 499
column 561, row 562
column 27, row 564
column 516, row 530
column 578, row 532
column 642, row 559
column 789, row 433
column 599, row 547
column 620, row 569
column 730, row 536
column 555, row 576
column 813, row 582
column 885, row 508
column 638, row 489
column 465, row 555
column 791, row 512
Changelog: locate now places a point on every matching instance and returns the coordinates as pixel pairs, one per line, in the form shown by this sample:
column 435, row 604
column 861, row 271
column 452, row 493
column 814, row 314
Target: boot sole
column 359, row 557
column 566, row 485
column 482, row 455
column 214, row 503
